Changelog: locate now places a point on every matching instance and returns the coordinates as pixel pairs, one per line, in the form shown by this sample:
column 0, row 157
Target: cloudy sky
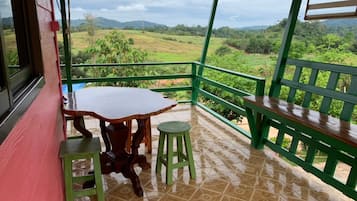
column 233, row 13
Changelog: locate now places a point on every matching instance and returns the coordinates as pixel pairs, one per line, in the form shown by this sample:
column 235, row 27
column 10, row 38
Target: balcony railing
column 188, row 82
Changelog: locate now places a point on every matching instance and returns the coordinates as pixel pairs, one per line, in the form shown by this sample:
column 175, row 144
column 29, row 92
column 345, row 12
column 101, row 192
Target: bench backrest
column 327, row 88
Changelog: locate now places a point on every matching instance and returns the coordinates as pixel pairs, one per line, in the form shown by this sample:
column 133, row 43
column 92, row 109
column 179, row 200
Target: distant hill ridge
column 142, row 24
column 109, row 23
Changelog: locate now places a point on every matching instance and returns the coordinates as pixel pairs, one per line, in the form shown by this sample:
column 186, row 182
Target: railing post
column 285, row 46
column 260, row 87
column 195, row 84
column 205, row 49
column 67, row 46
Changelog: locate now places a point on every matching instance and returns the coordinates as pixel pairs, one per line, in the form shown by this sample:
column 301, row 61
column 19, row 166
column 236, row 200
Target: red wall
column 30, row 169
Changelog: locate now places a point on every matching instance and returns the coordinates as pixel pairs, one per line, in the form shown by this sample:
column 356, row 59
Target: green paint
column 67, row 46
column 82, row 148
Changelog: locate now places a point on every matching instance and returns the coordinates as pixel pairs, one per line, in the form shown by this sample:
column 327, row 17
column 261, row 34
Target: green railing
column 182, row 77
column 229, row 94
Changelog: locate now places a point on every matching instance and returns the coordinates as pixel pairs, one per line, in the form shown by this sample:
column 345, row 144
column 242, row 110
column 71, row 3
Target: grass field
column 170, row 48
column 160, row 47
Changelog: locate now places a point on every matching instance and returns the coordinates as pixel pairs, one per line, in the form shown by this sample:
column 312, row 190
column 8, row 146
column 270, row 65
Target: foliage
column 297, row 49
column 131, row 41
column 12, row 57
column 259, row 45
column 90, row 19
column 223, row 50
column 312, row 41
column 237, row 44
column 115, row 48
column 353, row 47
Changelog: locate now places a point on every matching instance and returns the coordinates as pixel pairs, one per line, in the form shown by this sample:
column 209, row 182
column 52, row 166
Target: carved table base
column 116, row 158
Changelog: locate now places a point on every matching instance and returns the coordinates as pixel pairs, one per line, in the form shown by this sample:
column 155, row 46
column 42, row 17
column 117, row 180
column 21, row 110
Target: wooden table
column 117, row 105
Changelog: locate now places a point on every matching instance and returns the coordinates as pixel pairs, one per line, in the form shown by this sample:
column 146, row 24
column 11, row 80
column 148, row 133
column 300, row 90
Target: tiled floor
column 227, row 168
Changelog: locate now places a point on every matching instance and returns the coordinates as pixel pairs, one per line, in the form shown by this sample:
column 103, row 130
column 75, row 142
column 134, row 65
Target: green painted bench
column 312, row 107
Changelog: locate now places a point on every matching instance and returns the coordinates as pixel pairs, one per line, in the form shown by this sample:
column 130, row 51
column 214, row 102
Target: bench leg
column 259, row 128
column 262, row 132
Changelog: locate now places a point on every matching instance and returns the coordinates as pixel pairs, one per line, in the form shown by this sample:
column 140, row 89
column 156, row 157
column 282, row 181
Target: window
column 18, row 63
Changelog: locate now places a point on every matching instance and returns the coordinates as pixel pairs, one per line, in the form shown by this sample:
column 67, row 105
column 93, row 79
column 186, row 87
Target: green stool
column 171, row 130
column 82, row 148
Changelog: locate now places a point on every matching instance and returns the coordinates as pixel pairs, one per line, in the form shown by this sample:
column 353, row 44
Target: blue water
column 74, row 86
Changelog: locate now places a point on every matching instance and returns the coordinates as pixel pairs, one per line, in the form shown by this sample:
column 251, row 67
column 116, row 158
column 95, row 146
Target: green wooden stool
column 82, row 148
column 171, row 130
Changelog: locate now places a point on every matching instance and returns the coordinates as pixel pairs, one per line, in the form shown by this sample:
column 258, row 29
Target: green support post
column 204, row 51
column 194, row 81
column 260, row 88
column 285, row 46
column 67, row 46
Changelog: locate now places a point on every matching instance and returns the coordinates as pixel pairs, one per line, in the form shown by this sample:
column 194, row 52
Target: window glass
column 10, row 42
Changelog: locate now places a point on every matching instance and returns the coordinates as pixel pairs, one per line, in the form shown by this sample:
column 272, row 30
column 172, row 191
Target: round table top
column 116, row 104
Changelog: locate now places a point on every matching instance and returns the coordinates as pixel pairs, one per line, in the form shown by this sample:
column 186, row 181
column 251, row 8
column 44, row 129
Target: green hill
column 160, row 47
column 113, row 24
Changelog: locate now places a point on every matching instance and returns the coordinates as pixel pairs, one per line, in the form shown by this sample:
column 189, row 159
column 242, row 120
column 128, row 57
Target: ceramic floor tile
column 182, row 190
column 259, row 195
column 111, row 198
column 239, row 191
column 156, row 185
column 283, row 198
column 123, row 191
column 227, row 168
column 296, row 191
column 167, row 197
column 206, row 195
column 228, row 198
column 269, row 185
column 216, row 185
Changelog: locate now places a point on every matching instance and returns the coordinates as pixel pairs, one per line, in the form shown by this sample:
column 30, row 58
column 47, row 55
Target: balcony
column 226, row 165
column 228, row 168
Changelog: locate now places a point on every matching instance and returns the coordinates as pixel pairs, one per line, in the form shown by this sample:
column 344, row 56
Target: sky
column 232, row 13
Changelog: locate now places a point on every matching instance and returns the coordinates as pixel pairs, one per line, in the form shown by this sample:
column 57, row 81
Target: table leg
column 146, row 129
column 137, row 139
column 78, row 123
column 118, row 160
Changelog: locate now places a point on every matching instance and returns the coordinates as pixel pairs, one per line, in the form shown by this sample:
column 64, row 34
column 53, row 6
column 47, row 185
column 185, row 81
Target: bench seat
column 316, row 131
column 333, row 127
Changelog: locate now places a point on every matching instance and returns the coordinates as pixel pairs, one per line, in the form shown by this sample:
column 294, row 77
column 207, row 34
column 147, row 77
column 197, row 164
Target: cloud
column 78, row 9
column 233, row 13
column 132, row 7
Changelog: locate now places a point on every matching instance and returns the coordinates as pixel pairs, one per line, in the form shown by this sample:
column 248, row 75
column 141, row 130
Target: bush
column 223, row 50
column 260, row 46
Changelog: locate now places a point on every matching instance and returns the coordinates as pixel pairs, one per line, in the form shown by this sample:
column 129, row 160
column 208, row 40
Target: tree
column 90, row 25
column 115, row 48
column 353, row 47
column 331, row 41
column 297, row 49
column 260, row 45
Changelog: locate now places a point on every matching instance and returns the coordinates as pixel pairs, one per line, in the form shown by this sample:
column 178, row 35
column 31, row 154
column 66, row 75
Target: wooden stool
column 171, row 130
column 82, row 148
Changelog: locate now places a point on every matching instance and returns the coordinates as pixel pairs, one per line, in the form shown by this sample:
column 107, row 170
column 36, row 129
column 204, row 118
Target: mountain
column 333, row 23
column 108, row 23
column 253, row 28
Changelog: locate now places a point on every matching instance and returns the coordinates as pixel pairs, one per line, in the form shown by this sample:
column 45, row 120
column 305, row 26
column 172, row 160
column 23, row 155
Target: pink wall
column 30, row 169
